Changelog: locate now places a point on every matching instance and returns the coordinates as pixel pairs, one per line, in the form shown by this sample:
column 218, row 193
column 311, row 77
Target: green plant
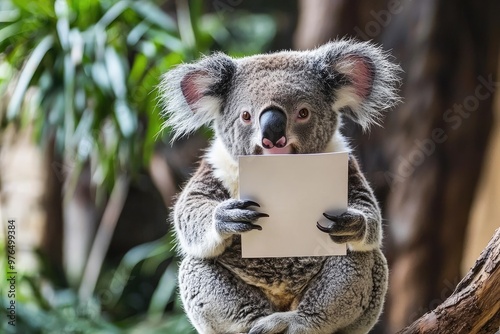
column 89, row 68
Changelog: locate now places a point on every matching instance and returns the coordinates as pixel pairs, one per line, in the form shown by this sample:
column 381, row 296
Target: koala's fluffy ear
column 193, row 94
column 362, row 78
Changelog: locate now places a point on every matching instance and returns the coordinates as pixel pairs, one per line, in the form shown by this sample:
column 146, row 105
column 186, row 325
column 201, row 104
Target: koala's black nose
column 273, row 128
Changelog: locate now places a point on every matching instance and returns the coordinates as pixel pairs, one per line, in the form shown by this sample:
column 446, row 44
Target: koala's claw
column 235, row 217
column 349, row 226
column 246, row 204
column 236, row 227
column 331, row 217
column 256, row 227
column 322, row 228
column 239, row 204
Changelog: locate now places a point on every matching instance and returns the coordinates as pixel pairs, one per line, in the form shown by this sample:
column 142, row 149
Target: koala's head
column 286, row 102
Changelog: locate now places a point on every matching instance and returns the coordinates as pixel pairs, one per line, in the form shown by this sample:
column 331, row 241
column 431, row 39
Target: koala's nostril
column 281, row 142
column 267, row 143
column 273, row 128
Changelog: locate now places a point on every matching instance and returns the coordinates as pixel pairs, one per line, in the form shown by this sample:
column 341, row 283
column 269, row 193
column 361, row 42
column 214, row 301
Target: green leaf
column 155, row 15
column 138, row 69
column 148, row 48
column 5, row 73
column 10, row 31
column 100, row 76
column 152, row 131
column 170, row 42
column 61, row 9
column 86, row 12
column 100, row 38
column 140, row 253
column 63, row 32
column 77, row 44
column 164, row 252
column 113, row 13
column 40, row 8
column 69, row 96
column 9, row 15
column 127, row 120
column 56, row 111
column 165, row 291
column 186, row 30
column 29, row 70
column 130, row 260
column 83, row 132
column 116, row 72
column 170, row 60
column 196, row 12
column 139, row 30
column 80, row 96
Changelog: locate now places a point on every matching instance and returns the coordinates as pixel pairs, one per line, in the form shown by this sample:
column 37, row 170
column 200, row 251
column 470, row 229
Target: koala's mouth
column 289, row 149
column 278, row 150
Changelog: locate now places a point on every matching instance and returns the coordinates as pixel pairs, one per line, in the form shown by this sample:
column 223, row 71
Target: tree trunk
column 425, row 163
column 474, row 306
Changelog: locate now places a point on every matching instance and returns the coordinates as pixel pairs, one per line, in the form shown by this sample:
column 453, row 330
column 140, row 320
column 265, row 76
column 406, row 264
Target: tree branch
column 474, row 306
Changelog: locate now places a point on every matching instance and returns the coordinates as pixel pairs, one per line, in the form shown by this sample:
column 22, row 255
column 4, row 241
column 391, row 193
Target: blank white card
column 294, row 190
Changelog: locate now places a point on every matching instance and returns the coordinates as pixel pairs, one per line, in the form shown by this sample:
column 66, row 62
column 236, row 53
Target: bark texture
column 474, row 307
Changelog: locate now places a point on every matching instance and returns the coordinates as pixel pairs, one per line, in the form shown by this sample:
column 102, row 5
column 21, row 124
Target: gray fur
column 224, row 293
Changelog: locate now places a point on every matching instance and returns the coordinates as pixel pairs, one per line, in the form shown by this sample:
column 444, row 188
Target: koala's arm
column 206, row 217
column 362, row 200
column 193, row 215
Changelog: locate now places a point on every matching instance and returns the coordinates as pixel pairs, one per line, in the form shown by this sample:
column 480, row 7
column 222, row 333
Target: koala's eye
column 303, row 113
column 246, row 116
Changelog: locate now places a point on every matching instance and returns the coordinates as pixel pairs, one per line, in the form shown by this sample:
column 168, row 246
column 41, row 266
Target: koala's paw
column 347, row 227
column 274, row 323
column 281, row 322
column 235, row 216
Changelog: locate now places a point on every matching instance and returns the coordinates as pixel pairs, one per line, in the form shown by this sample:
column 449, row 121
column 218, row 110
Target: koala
column 289, row 102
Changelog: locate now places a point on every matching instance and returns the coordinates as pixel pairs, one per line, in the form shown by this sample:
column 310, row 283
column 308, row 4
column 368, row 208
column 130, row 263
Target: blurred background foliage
column 82, row 75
